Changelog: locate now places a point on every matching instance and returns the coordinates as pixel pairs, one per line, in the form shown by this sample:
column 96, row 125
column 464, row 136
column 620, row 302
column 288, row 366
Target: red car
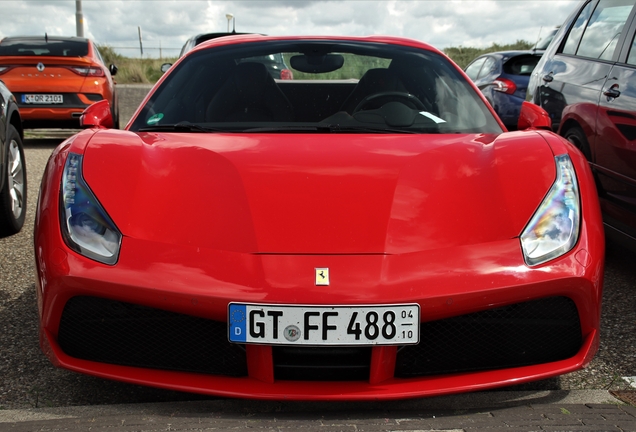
column 54, row 79
column 367, row 231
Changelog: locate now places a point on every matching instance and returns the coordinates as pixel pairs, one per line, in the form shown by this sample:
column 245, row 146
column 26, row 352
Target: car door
column 615, row 140
column 577, row 72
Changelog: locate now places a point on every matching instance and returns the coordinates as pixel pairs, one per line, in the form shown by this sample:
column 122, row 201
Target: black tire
column 115, row 112
column 577, row 137
column 13, row 196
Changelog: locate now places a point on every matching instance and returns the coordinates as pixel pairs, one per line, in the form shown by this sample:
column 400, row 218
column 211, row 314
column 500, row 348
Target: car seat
column 249, row 94
column 372, row 82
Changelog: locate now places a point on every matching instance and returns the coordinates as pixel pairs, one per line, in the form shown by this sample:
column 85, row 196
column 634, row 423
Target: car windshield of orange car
column 43, row 47
column 332, row 86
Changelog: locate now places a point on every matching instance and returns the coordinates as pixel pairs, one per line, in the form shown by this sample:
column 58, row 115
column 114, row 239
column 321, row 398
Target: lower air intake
column 522, row 334
column 113, row 332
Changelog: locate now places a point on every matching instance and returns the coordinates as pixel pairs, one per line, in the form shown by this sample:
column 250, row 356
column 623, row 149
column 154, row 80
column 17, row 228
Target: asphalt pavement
column 578, row 410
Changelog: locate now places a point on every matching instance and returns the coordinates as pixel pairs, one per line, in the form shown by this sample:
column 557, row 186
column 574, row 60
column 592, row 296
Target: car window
column 489, row 67
column 576, row 31
column 187, row 46
column 367, row 86
column 521, row 65
column 50, row 47
column 604, row 29
column 545, row 42
column 473, row 69
column 99, row 55
column 631, row 59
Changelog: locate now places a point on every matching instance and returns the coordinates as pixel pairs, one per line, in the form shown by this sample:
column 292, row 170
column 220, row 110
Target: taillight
column 88, row 71
column 286, row 74
column 505, row 86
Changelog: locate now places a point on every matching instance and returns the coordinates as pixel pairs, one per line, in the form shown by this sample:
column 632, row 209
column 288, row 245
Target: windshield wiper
column 183, row 126
column 368, row 129
column 292, row 129
column 330, row 128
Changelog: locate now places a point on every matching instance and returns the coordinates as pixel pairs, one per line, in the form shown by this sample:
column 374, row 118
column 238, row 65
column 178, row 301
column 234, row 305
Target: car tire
column 115, row 112
column 13, row 196
column 577, row 137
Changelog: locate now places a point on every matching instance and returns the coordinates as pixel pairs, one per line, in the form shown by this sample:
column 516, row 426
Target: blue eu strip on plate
column 237, row 327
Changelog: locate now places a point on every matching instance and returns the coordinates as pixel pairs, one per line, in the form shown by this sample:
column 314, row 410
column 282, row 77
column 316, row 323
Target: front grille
column 322, row 363
column 126, row 334
column 522, row 334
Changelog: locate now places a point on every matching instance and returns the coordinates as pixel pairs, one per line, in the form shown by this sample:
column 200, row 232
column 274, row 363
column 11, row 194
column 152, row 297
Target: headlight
column 554, row 228
column 86, row 227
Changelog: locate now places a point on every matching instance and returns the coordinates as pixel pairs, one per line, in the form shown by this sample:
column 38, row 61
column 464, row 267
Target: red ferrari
column 368, row 230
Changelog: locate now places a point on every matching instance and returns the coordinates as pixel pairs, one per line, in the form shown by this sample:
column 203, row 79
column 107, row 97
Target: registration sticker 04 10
column 324, row 325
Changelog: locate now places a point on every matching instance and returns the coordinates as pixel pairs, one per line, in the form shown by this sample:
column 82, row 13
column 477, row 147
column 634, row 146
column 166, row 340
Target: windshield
column 545, row 42
column 336, row 86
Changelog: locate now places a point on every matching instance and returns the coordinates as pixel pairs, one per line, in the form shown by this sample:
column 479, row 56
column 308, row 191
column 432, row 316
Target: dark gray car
column 13, row 178
column 586, row 81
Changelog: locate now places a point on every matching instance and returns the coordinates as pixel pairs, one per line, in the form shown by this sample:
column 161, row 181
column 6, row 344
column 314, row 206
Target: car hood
column 319, row 194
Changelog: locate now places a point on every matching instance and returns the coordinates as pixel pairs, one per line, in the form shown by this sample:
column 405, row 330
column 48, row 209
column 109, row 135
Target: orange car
column 55, row 78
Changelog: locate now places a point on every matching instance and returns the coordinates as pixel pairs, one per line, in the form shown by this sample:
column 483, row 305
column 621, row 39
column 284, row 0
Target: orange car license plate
column 43, row 99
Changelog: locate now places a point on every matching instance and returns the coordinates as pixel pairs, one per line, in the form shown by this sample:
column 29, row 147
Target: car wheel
column 577, row 137
column 13, row 196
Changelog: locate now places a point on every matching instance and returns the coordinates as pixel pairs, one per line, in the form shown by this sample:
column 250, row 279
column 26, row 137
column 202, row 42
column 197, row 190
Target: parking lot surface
column 491, row 411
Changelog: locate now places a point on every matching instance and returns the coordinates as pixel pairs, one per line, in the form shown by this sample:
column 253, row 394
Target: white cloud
column 169, row 23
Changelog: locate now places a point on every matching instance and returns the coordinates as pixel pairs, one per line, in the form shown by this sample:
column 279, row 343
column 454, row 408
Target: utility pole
column 79, row 18
column 141, row 46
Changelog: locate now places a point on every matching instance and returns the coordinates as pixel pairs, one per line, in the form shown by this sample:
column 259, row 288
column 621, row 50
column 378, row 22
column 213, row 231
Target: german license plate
column 324, row 325
column 43, row 99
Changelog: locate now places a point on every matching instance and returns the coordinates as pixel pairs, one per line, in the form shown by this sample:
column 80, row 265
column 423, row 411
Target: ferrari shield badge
column 322, row 276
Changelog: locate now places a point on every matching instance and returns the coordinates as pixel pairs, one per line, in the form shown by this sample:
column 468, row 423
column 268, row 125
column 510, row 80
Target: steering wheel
column 392, row 95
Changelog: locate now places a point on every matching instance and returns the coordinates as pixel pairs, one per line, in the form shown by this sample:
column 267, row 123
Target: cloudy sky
column 167, row 24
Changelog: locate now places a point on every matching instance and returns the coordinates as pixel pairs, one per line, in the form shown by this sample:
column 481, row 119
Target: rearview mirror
column 165, row 67
column 97, row 115
column 317, row 63
column 533, row 117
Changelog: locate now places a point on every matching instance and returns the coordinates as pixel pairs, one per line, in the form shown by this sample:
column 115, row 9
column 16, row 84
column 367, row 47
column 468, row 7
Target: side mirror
column 97, row 115
column 165, row 67
column 533, row 117
column 113, row 69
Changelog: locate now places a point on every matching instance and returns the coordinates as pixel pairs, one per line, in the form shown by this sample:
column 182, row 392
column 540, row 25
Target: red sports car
column 368, row 230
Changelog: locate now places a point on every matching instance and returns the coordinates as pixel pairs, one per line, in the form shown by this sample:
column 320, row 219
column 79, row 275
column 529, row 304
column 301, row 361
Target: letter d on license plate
column 324, row 325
